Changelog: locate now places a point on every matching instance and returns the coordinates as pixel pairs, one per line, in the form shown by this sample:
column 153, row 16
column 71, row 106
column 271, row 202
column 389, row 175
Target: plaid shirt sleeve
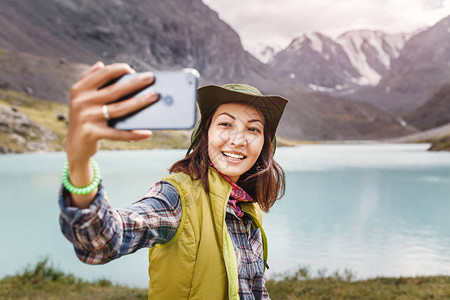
column 100, row 233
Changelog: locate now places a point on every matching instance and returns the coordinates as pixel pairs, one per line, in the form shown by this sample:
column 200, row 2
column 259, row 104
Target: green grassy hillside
column 439, row 143
column 27, row 121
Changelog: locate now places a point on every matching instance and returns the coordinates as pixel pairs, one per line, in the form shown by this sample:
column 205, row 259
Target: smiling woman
column 231, row 117
column 203, row 222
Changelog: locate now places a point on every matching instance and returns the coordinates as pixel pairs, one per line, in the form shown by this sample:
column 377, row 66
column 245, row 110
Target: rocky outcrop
column 20, row 134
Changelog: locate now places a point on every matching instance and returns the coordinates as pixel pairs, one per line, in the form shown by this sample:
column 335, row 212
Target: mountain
column 371, row 52
column 38, row 76
column 422, row 69
column 46, row 43
column 314, row 61
column 147, row 34
column 339, row 119
column 340, row 66
column 265, row 54
column 394, row 72
column 433, row 113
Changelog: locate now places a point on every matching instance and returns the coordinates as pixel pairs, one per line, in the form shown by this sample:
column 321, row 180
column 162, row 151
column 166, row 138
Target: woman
column 202, row 223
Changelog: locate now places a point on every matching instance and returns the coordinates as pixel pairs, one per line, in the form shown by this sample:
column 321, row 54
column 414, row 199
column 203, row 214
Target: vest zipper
column 227, row 263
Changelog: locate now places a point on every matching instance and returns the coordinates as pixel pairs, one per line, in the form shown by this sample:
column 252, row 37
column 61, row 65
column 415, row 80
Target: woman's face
column 235, row 138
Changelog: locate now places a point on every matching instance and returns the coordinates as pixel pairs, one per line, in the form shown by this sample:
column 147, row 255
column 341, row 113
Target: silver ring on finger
column 105, row 112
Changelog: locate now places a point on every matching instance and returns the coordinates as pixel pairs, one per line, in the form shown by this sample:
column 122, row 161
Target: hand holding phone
column 175, row 109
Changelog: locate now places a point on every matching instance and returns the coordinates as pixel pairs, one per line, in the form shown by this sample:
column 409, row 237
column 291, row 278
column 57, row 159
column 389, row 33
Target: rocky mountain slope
column 433, row 113
column 147, row 34
column 38, row 76
column 62, row 37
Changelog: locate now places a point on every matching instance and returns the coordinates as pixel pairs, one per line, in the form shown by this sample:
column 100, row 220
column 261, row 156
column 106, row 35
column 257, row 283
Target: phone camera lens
column 167, row 100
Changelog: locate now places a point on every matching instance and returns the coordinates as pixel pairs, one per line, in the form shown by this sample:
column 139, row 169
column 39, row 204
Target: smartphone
column 175, row 109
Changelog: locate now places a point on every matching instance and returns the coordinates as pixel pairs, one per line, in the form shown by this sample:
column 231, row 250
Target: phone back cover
column 175, row 109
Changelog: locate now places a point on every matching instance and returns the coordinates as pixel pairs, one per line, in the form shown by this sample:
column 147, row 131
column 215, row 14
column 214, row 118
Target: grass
column 161, row 139
column 441, row 143
column 340, row 286
column 43, row 281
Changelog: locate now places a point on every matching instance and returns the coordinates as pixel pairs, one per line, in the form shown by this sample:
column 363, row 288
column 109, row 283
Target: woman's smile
column 234, row 156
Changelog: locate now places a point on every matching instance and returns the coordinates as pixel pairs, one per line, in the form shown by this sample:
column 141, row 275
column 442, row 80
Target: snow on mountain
column 264, row 53
column 371, row 52
column 419, row 72
column 313, row 39
column 317, row 62
column 339, row 66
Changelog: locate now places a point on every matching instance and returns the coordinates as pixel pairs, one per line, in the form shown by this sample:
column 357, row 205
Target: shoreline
column 427, row 145
column 30, row 125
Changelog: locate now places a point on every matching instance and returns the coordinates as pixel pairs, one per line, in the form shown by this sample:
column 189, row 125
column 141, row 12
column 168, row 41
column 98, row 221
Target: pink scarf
column 237, row 194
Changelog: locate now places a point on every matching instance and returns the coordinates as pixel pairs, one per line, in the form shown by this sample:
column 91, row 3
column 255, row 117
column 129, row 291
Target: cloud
column 432, row 4
column 268, row 22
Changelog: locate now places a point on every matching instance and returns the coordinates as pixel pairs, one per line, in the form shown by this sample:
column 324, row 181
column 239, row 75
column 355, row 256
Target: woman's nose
column 237, row 137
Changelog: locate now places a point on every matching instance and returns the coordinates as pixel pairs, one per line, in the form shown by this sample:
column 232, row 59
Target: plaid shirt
column 100, row 233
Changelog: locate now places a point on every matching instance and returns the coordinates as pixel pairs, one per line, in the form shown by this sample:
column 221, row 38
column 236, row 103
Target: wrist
column 81, row 180
column 80, row 173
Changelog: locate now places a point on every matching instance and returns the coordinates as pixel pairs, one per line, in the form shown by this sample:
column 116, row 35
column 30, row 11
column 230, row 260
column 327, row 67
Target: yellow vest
column 199, row 262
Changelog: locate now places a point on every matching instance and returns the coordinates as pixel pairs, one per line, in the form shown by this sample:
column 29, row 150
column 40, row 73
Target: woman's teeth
column 233, row 155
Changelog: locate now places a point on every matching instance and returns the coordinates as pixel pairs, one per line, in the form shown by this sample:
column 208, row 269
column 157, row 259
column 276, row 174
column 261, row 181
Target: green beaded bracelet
column 83, row 190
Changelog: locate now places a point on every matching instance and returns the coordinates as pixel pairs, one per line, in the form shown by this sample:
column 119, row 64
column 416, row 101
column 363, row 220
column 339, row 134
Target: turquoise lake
column 375, row 209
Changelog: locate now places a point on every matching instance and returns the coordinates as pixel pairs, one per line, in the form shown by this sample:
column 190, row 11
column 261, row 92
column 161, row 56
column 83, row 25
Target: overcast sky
column 277, row 22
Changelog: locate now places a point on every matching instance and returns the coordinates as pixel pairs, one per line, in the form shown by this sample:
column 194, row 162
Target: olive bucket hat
column 212, row 96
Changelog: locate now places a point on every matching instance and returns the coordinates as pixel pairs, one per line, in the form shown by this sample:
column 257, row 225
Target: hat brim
column 212, row 96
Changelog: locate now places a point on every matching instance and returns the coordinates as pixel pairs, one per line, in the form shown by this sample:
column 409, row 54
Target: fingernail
column 97, row 65
column 144, row 132
column 92, row 68
column 146, row 77
column 152, row 96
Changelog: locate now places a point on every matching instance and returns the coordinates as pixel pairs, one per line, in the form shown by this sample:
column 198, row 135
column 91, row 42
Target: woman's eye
column 225, row 124
column 254, row 129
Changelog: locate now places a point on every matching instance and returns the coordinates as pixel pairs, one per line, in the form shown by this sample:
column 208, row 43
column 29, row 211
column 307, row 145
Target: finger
column 122, row 108
column 95, row 80
column 97, row 66
column 123, row 88
column 125, row 135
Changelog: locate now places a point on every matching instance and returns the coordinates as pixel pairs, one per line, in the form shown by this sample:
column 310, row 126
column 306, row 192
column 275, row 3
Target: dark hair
column 264, row 182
